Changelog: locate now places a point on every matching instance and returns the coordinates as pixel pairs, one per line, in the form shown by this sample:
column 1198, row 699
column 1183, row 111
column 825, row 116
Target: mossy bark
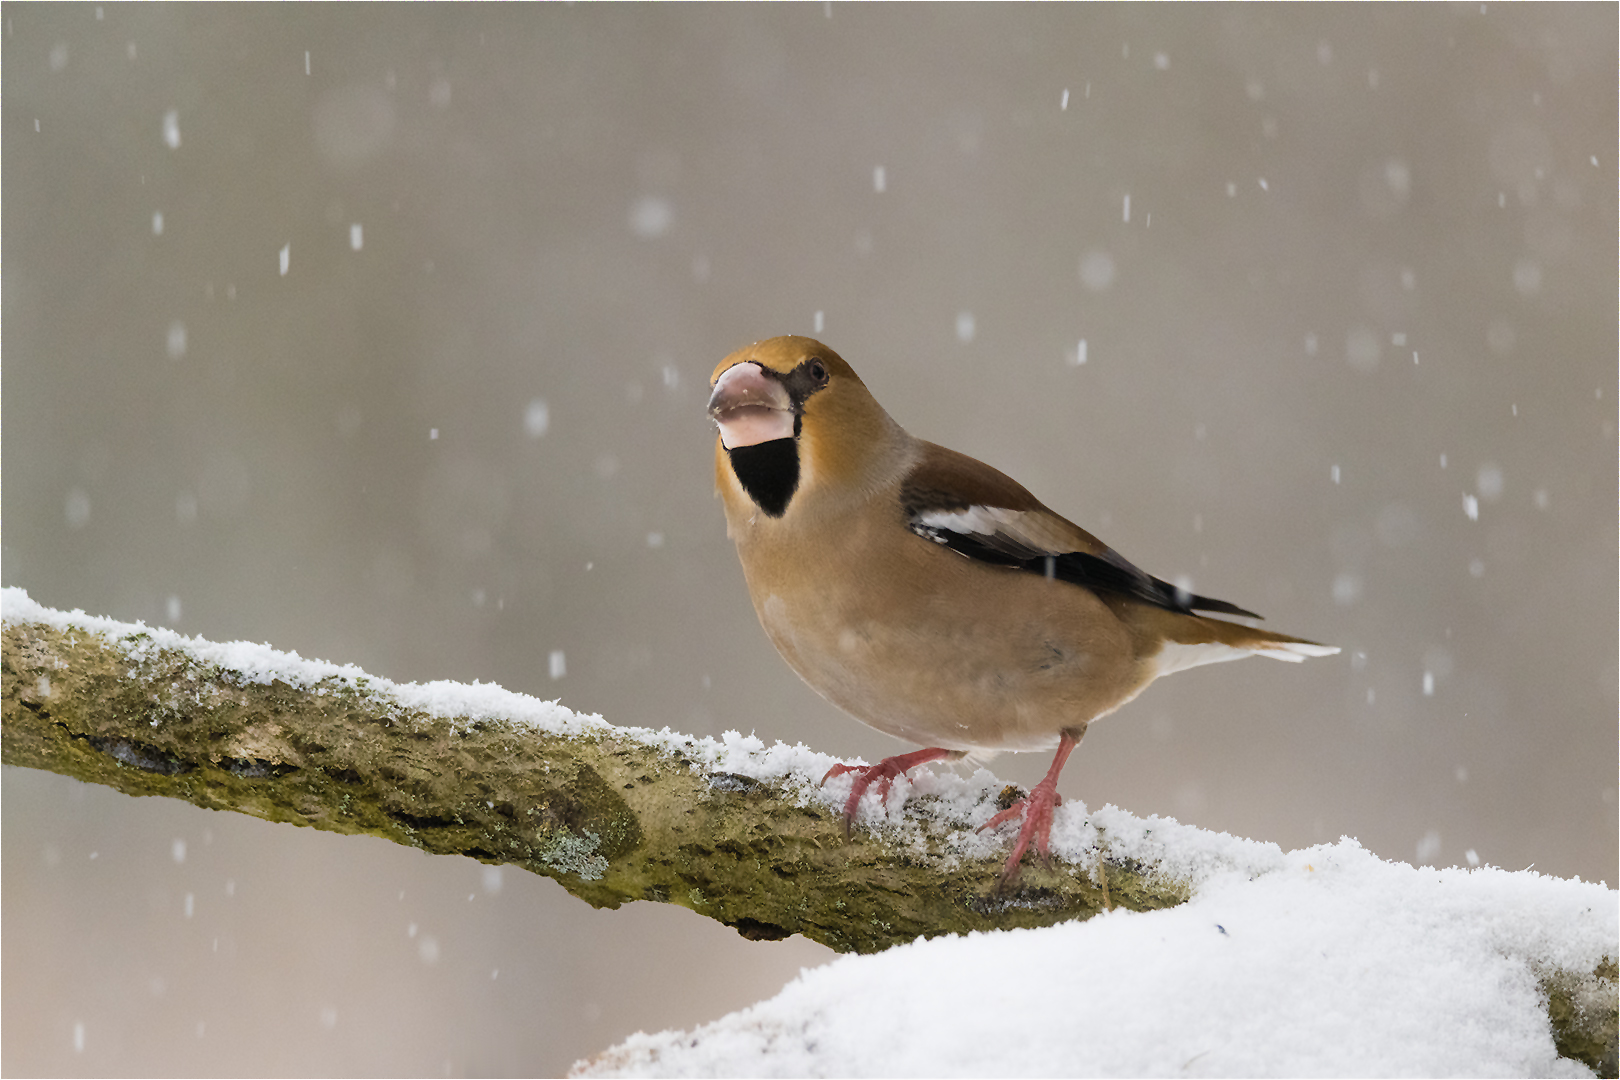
column 611, row 818
column 1585, row 1011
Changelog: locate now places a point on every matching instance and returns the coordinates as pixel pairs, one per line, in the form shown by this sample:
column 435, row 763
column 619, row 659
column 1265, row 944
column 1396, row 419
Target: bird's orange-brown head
column 792, row 413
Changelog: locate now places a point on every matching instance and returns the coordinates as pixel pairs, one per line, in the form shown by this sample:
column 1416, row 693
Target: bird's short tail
column 1192, row 640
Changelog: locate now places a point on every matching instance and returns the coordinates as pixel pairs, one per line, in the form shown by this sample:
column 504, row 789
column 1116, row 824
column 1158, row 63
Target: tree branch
column 611, row 814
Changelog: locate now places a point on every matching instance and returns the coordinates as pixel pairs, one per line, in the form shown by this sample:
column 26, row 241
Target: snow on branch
column 729, row 828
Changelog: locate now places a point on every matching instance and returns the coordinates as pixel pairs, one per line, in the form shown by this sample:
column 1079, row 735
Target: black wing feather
column 1108, row 573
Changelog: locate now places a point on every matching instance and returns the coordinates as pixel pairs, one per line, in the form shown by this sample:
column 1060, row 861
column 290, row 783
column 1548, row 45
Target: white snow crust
column 1325, row 961
column 263, row 664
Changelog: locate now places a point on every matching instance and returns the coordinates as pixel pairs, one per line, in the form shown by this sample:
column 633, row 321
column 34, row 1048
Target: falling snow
column 651, row 217
column 536, row 418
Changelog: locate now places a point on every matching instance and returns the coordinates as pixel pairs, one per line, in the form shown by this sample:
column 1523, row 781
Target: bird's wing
column 981, row 513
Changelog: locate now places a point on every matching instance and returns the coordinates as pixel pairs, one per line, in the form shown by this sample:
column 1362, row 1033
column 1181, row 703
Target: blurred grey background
column 382, row 334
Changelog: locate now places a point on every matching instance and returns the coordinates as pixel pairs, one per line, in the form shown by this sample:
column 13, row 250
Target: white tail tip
column 1295, row 652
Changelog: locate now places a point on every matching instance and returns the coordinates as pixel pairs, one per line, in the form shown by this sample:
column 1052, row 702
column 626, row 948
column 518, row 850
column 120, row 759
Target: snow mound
column 1332, row 963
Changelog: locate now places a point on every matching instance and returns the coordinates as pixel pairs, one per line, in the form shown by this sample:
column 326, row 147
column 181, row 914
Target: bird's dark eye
column 818, row 371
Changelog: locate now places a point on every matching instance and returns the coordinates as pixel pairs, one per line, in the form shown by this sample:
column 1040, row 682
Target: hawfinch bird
column 928, row 595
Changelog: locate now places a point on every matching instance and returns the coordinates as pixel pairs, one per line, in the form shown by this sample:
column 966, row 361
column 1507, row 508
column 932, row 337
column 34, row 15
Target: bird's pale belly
column 1047, row 656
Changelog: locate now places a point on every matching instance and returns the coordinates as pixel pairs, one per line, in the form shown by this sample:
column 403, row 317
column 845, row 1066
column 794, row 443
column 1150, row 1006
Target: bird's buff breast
column 1024, row 666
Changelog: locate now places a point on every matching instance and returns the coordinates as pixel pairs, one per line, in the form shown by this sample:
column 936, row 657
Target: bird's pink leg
column 883, row 773
column 1036, row 809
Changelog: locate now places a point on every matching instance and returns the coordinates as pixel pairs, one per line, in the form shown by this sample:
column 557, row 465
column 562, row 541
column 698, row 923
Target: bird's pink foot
column 882, row 774
column 1036, row 810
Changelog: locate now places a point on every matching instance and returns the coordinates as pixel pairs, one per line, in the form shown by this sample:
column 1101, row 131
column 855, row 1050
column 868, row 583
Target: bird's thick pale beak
column 750, row 407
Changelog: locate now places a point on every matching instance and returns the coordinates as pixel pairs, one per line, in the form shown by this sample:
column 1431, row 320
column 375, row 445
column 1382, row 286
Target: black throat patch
column 769, row 472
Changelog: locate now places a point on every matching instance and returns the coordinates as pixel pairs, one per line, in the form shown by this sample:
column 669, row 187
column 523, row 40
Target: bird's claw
column 1036, row 810
column 883, row 774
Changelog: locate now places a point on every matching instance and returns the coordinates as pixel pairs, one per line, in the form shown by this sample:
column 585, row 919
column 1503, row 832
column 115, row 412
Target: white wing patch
column 1020, row 532
column 974, row 521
